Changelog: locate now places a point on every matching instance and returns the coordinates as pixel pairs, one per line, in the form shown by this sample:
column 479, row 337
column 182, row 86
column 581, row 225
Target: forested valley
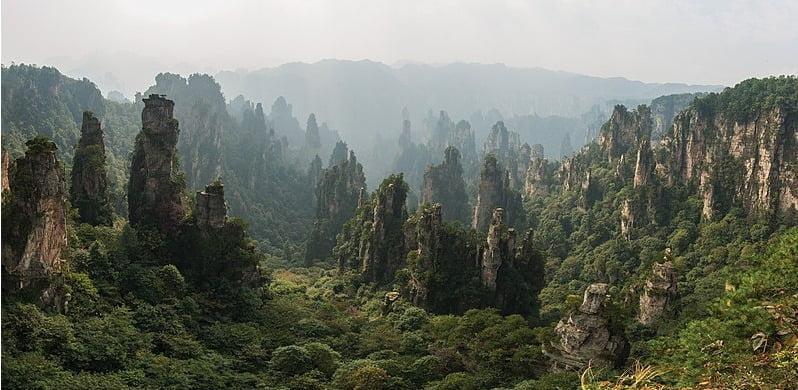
column 186, row 239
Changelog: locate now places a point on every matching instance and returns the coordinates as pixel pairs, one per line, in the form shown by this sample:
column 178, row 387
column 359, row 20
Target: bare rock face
column 155, row 190
column 536, row 181
column 4, row 182
column 585, row 336
column 210, row 208
column 643, row 165
column 89, row 191
column 747, row 161
column 338, row 193
column 500, row 250
column 659, row 291
column 625, row 130
column 628, row 216
column 34, row 216
column 665, row 108
column 444, row 184
column 495, row 192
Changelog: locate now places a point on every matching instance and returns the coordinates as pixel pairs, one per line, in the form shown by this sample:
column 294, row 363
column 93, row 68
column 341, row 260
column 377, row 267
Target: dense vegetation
column 197, row 310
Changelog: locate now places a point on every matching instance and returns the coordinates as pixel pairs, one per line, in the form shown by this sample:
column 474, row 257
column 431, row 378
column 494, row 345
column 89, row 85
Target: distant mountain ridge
column 358, row 96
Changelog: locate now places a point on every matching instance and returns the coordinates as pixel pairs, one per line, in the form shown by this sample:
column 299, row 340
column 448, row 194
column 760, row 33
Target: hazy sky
column 718, row 42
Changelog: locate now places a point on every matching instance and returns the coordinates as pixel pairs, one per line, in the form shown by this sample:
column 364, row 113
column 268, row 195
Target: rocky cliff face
column 665, row 108
column 373, row 242
column 34, row 216
column 659, row 292
column 4, row 182
column 500, row 250
column 204, row 123
column 495, row 192
column 337, row 194
column 89, row 191
column 385, row 253
column 643, row 165
column 210, row 209
column 625, row 131
column 585, row 336
column 749, row 161
column 155, row 190
column 536, row 181
column 444, row 184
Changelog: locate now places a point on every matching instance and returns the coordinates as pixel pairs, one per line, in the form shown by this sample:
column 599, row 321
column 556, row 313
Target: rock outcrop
column 373, row 243
column 337, row 195
column 737, row 160
column 201, row 109
column 585, row 336
column 210, row 209
column 536, row 182
column 34, row 216
column 659, row 292
column 444, row 184
column 643, row 165
column 4, row 182
column 500, row 250
column 665, row 108
column 495, row 192
column 385, row 253
column 89, row 190
column 451, row 271
column 625, row 131
column 155, row 190
column 339, row 154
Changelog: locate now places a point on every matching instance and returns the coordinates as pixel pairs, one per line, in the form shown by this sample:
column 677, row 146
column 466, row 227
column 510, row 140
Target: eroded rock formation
column 625, row 131
column 495, row 192
column 210, row 208
column 659, row 292
column 385, row 253
column 500, row 249
column 451, row 271
column 4, row 182
column 89, row 190
column 338, row 192
column 748, row 161
column 155, row 190
column 373, row 243
column 586, row 337
column 536, row 178
column 444, row 184
column 34, row 216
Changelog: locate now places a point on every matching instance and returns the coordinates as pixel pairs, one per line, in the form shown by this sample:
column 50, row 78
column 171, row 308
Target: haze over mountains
column 363, row 100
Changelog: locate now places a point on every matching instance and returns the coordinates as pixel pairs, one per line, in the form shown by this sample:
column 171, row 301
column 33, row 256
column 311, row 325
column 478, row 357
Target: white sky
column 707, row 42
